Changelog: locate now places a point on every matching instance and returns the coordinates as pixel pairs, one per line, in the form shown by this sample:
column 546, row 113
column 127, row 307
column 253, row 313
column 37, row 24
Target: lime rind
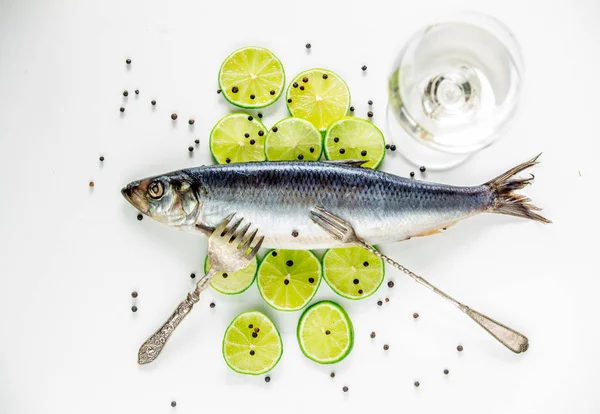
column 227, row 139
column 261, row 289
column 260, row 102
column 349, row 282
column 362, row 135
column 349, row 328
column 224, row 344
column 340, row 98
column 219, row 287
column 306, row 136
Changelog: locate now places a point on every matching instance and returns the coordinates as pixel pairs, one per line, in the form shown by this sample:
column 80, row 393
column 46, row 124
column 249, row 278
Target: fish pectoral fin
column 207, row 230
column 351, row 163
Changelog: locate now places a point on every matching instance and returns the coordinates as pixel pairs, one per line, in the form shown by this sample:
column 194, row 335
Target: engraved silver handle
column 513, row 340
column 151, row 349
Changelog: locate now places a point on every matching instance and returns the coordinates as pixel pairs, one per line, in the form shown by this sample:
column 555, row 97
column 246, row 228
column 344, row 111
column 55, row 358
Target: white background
column 70, row 256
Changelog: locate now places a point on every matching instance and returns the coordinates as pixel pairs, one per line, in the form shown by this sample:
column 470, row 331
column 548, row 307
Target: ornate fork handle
column 513, row 340
column 150, row 349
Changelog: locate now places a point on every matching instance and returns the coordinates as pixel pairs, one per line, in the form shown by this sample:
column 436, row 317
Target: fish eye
column 156, row 189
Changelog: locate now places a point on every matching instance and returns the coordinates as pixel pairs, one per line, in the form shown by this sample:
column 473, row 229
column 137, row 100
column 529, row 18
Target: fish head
column 169, row 199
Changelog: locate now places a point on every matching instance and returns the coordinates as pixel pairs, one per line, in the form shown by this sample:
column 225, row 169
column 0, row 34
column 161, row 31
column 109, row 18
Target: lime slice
column 238, row 138
column 325, row 333
column 232, row 283
column 355, row 139
column 293, row 139
column 288, row 279
column 251, row 77
column 323, row 99
column 353, row 272
column 252, row 344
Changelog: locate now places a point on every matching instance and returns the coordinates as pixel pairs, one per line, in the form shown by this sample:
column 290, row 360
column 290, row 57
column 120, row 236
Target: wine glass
column 454, row 90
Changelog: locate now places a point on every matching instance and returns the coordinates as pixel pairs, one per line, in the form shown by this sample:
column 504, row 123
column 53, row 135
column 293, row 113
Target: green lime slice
column 293, row 139
column 323, row 99
column 325, row 333
column 288, row 279
column 355, row 139
column 251, row 77
column 238, row 138
column 353, row 272
column 233, row 283
column 252, row 344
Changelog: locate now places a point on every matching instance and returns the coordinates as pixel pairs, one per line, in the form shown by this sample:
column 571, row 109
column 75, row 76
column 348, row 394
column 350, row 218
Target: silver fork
column 343, row 232
column 228, row 252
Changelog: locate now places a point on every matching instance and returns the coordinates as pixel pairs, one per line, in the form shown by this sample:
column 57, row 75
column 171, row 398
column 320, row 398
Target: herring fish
column 278, row 197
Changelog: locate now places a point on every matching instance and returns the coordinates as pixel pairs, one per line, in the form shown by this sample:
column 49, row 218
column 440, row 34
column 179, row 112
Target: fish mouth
column 134, row 195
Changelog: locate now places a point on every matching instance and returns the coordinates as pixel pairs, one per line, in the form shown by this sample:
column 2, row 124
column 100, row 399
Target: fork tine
column 342, row 223
column 240, row 234
column 325, row 226
column 330, row 222
column 221, row 227
column 244, row 244
column 233, row 228
column 251, row 255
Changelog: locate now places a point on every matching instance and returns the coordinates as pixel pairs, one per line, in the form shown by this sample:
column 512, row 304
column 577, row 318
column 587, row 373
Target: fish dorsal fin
column 351, row 163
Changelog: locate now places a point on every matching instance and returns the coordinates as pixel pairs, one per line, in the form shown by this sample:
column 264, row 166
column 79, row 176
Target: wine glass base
column 417, row 153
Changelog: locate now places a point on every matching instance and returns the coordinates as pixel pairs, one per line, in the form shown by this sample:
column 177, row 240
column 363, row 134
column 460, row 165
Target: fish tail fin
column 507, row 201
